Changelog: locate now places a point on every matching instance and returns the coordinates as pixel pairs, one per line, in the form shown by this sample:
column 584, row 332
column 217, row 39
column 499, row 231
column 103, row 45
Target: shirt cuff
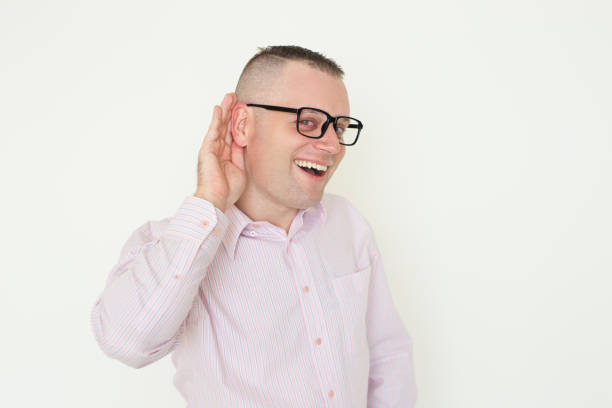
column 196, row 219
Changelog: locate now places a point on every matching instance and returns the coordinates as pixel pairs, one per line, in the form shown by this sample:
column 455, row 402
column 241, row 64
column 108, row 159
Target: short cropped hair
column 268, row 62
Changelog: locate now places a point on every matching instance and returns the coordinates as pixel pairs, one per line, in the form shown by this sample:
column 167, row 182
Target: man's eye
column 306, row 122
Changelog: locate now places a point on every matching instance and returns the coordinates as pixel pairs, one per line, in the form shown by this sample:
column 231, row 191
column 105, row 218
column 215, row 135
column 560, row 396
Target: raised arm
column 141, row 313
column 143, row 310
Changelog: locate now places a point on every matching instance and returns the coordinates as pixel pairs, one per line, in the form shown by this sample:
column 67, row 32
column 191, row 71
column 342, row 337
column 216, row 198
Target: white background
column 485, row 169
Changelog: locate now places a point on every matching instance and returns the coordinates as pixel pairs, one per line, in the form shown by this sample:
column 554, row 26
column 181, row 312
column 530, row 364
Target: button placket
column 297, row 258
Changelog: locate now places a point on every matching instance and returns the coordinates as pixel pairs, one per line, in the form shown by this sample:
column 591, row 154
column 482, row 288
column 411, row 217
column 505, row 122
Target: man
column 268, row 292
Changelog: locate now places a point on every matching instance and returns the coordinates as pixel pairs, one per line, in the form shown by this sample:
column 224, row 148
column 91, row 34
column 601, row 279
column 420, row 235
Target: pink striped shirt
column 257, row 317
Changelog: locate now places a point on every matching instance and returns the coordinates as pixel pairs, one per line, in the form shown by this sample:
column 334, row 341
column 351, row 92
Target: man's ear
column 239, row 124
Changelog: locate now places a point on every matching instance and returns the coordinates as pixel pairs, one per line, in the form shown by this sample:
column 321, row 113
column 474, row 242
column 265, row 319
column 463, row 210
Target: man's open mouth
column 315, row 169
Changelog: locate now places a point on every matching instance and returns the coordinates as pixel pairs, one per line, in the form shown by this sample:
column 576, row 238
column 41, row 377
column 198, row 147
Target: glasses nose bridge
column 334, row 142
column 330, row 120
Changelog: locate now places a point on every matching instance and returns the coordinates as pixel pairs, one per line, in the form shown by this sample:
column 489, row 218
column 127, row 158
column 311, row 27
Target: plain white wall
column 485, row 168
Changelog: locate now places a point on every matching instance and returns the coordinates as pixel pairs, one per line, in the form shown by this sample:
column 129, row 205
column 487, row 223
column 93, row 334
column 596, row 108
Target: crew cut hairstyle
column 296, row 53
column 268, row 61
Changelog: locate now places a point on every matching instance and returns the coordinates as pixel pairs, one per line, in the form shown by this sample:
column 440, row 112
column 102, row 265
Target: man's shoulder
column 346, row 231
column 339, row 207
column 335, row 202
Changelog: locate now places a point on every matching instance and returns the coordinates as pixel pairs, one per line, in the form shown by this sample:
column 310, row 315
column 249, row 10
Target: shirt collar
column 238, row 221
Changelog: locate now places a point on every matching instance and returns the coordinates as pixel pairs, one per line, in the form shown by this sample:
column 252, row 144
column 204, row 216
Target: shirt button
column 318, row 341
column 204, row 223
column 331, row 394
column 252, row 233
column 306, row 289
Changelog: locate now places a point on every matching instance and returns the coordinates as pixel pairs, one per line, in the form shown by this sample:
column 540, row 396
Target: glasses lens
column 347, row 130
column 310, row 122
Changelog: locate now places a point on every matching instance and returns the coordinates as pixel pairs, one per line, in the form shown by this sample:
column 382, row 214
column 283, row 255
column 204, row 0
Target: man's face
column 273, row 176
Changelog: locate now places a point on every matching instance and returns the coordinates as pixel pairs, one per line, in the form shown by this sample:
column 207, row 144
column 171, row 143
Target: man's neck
column 260, row 210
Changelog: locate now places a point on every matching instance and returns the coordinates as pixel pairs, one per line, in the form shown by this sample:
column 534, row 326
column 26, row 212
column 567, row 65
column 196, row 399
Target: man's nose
column 330, row 141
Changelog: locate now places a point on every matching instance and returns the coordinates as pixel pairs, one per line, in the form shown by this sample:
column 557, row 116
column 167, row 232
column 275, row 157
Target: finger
column 238, row 155
column 233, row 98
column 231, row 101
column 228, row 131
column 226, row 105
column 227, row 100
column 228, row 134
column 212, row 133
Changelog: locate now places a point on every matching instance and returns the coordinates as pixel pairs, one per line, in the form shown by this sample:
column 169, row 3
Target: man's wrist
column 213, row 201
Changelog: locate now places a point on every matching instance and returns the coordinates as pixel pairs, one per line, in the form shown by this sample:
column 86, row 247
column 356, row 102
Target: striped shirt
column 258, row 317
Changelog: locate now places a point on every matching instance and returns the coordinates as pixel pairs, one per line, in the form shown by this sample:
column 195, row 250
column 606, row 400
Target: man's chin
column 310, row 201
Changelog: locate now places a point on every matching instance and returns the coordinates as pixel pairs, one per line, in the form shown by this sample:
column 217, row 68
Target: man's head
column 291, row 77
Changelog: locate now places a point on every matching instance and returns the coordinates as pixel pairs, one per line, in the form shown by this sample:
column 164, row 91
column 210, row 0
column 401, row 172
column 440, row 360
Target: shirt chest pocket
column 352, row 295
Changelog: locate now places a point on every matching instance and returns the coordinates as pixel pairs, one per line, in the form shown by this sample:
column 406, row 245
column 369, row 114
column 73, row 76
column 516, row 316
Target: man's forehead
column 299, row 84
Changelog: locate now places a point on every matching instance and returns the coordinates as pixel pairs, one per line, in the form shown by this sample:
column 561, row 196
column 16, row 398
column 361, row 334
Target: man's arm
column 391, row 379
column 141, row 313
column 149, row 293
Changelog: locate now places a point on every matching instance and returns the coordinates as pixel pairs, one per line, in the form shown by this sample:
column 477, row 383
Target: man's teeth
column 303, row 163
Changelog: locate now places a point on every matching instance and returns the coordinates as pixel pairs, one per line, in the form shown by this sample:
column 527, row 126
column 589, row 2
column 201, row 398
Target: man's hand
column 221, row 175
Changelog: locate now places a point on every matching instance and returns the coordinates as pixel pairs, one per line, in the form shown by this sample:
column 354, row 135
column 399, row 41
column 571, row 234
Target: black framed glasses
column 313, row 122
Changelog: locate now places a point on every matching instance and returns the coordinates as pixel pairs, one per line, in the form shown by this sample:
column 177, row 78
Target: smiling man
column 269, row 292
column 288, row 172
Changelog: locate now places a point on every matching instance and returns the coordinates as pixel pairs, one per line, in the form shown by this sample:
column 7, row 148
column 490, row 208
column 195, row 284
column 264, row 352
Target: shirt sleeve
column 149, row 293
column 391, row 379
